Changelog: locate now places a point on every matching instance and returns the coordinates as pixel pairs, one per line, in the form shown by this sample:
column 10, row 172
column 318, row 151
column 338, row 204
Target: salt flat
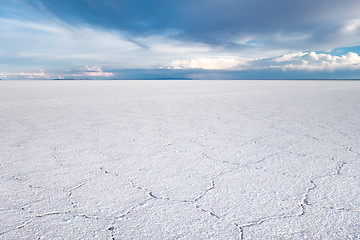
column 180, row 160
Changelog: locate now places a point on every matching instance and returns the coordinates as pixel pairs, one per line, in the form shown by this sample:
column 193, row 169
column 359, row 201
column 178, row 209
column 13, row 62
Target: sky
column 162, row 39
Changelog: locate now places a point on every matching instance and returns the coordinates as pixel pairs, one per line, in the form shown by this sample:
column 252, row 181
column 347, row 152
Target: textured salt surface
column 180, row 159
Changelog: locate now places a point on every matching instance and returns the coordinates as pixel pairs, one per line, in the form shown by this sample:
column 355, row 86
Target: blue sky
column 201, row 39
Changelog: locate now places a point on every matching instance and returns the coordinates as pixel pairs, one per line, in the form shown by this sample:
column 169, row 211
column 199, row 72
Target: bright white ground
column 180, row 160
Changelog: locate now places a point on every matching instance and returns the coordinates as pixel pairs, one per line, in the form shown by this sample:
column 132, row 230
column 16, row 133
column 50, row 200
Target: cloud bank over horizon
column 61, row 39
column 310, row 62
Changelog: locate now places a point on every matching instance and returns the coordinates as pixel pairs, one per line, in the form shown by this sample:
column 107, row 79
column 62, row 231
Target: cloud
column 87, row 72
column 306, row 24
column 91, row 72
column 95, row 71
column 288, row 57
column 307, row 61
column 312, row 61
column 351, row 26
column 35, row 75
column 27, row 75
column 218, row 63
column 54, row 45
column 205, row 36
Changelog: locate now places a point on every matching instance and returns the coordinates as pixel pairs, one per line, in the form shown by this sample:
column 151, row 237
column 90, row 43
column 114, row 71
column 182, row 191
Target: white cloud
column 309, row 61
column 216, row 63
column 165, row 44
column 292, row 37
column 351, row 26
column 95, row 71
column 288, row 57
column 85, row 72
column 56, row 44
column 52, row 44
column 317, row 61
column 34, row 75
